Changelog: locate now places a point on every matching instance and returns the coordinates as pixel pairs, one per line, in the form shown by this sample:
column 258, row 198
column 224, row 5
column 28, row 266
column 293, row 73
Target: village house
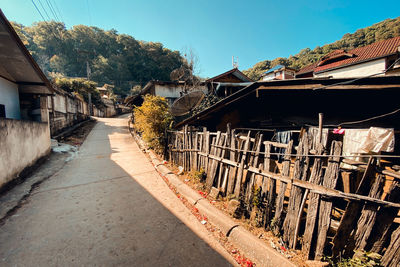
column 223, row 85
column 228, row 82
column 279, row 72
column 24, row 118
column 372, row 59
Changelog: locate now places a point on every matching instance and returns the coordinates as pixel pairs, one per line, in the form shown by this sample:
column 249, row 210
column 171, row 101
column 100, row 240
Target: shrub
column 151, row 120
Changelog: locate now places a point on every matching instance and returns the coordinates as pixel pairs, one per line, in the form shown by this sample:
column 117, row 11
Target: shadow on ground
column 107, row 207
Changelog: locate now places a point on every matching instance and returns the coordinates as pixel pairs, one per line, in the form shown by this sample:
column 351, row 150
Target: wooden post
column 368, row 216
column 296, row 193
column 349, row 217
column 232, row 169
column 313, row 205
column 385, row 218
column 269, row 184
column 391, row 258
column 325, row 209
column 241, row 167
column 282, row 189
column 320, row 120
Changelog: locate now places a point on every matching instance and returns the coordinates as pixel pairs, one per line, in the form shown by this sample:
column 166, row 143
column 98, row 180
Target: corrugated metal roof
column 277, row 67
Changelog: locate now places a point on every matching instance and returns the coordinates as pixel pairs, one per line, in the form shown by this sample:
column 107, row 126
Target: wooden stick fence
column 295, row 195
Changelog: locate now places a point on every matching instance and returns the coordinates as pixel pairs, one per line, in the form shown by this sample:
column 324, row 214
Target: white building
column 279, row 72
column 373, row 59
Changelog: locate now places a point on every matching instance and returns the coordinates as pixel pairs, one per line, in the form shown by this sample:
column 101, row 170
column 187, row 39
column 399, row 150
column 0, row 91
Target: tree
column 152, row 120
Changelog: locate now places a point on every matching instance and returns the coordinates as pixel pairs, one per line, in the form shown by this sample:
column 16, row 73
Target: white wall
column 359, row 70
column 172, row 91
column 22, row 144
column 9, row 97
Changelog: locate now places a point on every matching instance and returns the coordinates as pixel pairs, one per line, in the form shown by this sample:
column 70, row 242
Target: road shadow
column 105, row 208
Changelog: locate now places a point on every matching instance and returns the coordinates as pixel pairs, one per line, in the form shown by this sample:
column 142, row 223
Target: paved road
column 107, row 207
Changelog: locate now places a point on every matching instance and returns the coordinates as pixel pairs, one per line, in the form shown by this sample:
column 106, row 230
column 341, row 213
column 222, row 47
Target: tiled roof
column 354, row 56
column 308, row 68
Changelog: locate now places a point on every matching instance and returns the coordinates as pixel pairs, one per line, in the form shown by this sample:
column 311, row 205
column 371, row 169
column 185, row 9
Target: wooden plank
column 195, row 147
column 214, row 163
column 313, row 206
column 300, row 171
column 391, row 258
column 206, row 150
column 239, row 177
column 385, row 217
column 368, row 218
column 221, row 172
column 254, row 163
column 211, row 163
column 348, row 220
column 278, row 218
column 275, row 144
column 223, row 166
column 325, row 209
column 318, row 189
column 269, row 188
column 232, row 169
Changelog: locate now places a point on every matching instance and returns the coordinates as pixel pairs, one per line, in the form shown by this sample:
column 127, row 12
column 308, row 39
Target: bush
column 151, row 120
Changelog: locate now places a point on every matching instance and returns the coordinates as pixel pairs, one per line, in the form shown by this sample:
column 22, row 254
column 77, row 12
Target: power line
column 40, row 13
column 48, row 17
column 59, row 13
column 52, row 10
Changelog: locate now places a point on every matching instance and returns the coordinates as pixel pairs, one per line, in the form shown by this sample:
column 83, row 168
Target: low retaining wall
column 22, row 143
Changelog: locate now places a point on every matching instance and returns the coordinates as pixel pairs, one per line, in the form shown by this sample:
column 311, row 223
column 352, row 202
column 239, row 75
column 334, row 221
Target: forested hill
column 380, row 31
column 115, row 59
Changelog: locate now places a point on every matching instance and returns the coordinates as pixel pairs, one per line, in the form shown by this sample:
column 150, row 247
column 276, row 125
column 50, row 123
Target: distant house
column 103, row 92
column 279, row 72
column 171, row 90
column 228, row 82
column 359, row 62
column 24, row 116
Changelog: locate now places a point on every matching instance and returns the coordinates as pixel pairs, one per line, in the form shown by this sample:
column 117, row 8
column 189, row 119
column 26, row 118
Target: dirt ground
column 77, row 136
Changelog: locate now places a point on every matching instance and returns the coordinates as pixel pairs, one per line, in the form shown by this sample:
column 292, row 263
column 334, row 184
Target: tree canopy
column 383, row 30
column 109, row 57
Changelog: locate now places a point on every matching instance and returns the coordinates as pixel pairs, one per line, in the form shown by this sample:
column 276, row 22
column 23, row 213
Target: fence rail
column 296, row 192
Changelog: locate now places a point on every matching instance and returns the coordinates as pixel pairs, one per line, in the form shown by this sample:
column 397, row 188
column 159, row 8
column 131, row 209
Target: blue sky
column 217, row 30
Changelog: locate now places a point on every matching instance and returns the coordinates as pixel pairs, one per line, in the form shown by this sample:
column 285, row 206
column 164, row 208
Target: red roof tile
column 308, row 68
column 354, row 56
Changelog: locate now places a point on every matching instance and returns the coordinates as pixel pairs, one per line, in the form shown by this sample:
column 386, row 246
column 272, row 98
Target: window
column 2, row 111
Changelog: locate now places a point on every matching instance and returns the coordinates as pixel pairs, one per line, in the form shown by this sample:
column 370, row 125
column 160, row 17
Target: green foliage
column 198, row 176
column 380, row 31
column 256, row 197
column 80, row 86
column 360, row 259
column 152, row 119
column 117, row 59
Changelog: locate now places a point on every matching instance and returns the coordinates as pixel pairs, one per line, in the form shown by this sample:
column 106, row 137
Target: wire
column 59, row 13
column 40, row 2
column 357, row 79
column 52, row 10
column 40, row 13
column 365, row 120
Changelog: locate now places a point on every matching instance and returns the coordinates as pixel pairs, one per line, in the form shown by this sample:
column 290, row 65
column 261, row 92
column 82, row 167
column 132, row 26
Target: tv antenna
column 185, row 104
column 235, row 63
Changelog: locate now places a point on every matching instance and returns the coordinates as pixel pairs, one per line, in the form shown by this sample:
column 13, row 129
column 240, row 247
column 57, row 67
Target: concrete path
column 107, row 207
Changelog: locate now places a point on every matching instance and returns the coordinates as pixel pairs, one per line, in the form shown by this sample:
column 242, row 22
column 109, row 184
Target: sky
column 216, row 30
